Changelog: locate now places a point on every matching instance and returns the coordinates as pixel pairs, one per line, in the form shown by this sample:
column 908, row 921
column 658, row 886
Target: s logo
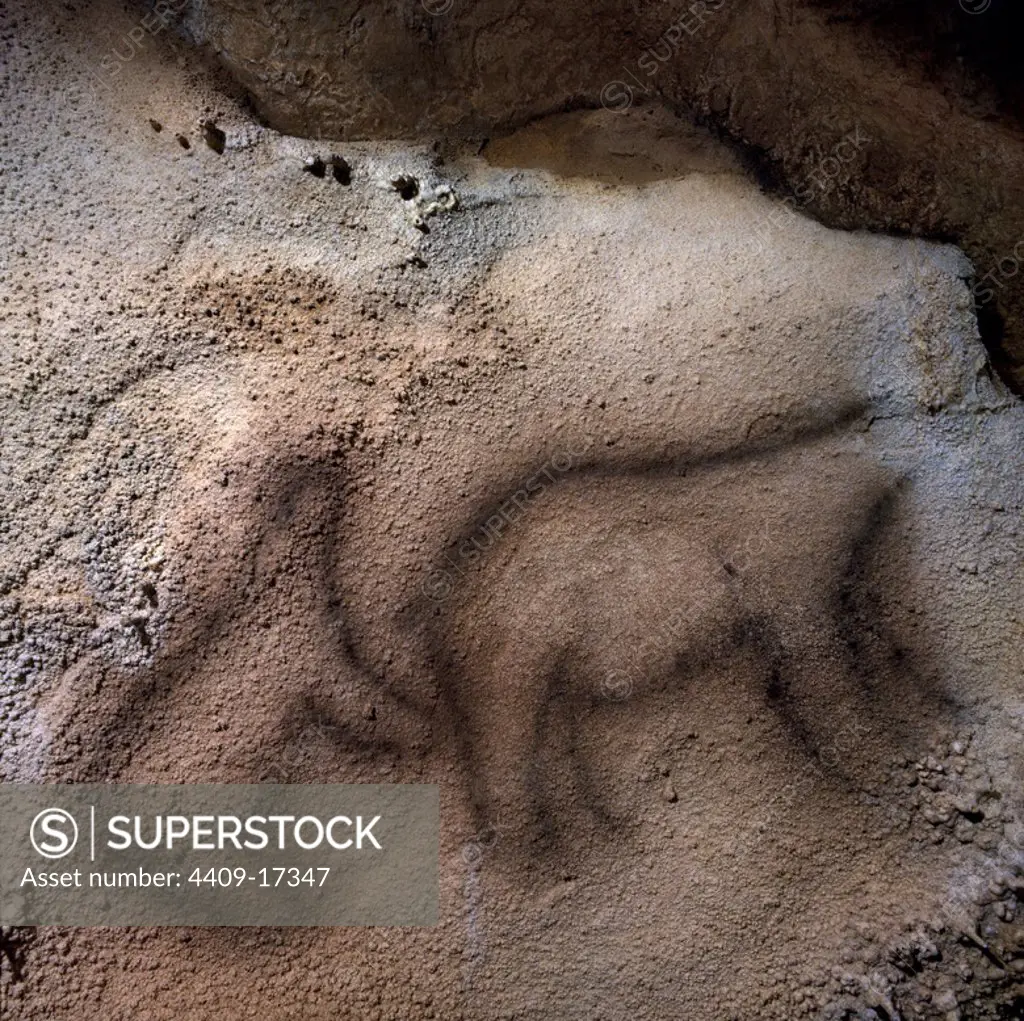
column 54, row 833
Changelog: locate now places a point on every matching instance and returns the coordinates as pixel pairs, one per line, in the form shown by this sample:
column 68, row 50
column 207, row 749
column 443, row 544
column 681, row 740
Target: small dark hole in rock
column 407, row 187
column 183, row 142
column 341, row 170
column 155, row 125
column 315, row 166
column 214, row 137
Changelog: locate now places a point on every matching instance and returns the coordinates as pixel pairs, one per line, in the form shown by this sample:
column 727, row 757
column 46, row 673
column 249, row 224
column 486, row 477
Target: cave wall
column 892, row 117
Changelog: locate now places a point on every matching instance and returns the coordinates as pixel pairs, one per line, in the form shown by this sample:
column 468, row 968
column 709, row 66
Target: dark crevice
column 992, row 328
column 770, row 176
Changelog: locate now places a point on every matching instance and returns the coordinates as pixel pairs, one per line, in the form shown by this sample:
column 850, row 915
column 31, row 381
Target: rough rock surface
column 674, row 534
column 932, row 88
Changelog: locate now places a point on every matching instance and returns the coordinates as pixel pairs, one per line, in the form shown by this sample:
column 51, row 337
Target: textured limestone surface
column 931, row 92
column 674, row 534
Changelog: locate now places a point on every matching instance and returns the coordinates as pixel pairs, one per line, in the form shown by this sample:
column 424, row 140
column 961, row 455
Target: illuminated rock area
column 674, row 534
